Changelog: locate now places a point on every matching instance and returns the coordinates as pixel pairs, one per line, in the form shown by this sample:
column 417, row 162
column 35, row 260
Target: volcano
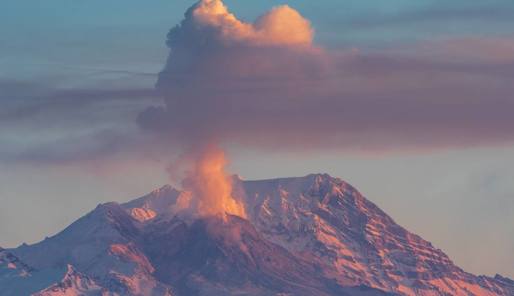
column 312, row 235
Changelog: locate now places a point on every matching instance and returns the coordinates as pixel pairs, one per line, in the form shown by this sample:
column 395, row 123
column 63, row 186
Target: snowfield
column 312, row 235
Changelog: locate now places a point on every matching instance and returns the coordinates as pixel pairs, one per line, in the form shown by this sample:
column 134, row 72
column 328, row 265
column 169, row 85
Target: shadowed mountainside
column 313, row 235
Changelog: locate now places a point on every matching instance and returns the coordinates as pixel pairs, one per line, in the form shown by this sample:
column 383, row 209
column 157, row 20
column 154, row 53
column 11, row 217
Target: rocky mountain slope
column 313, row 235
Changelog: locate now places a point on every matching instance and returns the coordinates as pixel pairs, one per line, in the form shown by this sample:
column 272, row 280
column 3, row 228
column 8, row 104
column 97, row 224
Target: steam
column 266, row 85
column 209, row 186
column 210, row 29
column 282, row 25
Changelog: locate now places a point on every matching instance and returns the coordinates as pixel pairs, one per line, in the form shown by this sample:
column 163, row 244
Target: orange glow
column 284, row 25
column 210, row 186
column 281, row 26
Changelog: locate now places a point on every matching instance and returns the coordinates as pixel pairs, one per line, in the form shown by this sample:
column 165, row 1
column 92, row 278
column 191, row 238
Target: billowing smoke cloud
column 210, row 189
column 267, row 85
column 212, row 20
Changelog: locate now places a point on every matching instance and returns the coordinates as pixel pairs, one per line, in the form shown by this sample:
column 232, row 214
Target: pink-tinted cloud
column 282, row 25
column 266, row 85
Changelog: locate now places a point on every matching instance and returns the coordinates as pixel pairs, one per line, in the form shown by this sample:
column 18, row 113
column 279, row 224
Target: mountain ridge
column 319, row 225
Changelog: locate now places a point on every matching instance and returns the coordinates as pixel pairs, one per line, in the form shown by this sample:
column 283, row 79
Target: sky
column 420, row 124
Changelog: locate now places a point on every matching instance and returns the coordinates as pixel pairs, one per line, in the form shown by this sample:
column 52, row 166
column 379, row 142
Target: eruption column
column 210, row 186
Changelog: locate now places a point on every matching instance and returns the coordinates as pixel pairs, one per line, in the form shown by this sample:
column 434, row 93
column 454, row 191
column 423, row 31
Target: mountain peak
column 73, row 283
column 310, row 235
column 70, row 271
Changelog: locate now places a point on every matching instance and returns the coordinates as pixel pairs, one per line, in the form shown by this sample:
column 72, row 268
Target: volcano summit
column 312, row 235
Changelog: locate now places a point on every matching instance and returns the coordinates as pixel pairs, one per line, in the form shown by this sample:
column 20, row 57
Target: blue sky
column 76, row 73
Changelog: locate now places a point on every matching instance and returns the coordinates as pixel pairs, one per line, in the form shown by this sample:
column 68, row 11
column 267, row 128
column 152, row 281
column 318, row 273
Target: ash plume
column 267, row 85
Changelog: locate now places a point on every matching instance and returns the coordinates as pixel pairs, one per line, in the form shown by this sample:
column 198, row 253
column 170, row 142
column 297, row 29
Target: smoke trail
column 266, row 85
column 208, row 27
column 209, row 185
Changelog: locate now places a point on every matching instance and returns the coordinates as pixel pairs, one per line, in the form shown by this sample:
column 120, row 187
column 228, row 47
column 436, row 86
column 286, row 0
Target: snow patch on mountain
column 74, row 283
column 101, row 245
column 142, row 215
column 312, row 235
column 11, row 266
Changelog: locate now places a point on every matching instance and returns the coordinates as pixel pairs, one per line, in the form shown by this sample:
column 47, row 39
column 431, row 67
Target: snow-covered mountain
column 18, row 278
column 73, row 283
column 313, row 235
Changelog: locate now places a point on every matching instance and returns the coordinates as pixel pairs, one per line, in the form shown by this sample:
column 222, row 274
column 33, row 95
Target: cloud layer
column 42, row 124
